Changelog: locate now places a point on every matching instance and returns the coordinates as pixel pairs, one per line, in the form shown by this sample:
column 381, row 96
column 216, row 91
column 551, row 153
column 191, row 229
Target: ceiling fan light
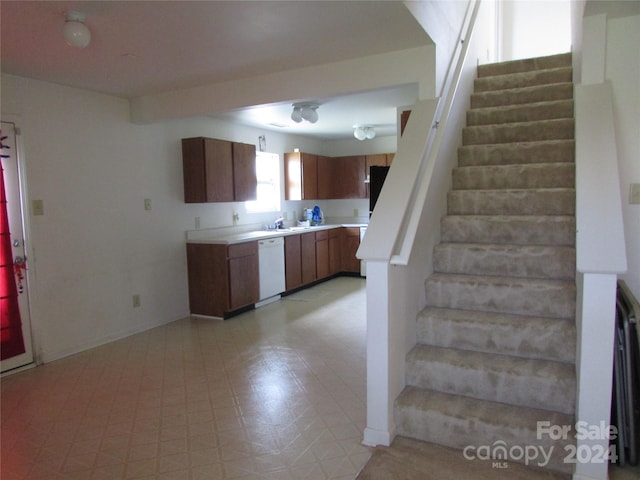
column 359, row 133
column 296, row 115
column 75, row 32
column 370, row 133
column 309, row 114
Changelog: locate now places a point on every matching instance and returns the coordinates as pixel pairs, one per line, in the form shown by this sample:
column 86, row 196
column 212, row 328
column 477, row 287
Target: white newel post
column 596, row 329
column 380, row 428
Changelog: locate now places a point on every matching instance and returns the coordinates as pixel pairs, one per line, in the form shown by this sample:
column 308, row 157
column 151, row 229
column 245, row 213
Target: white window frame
column 268, row 175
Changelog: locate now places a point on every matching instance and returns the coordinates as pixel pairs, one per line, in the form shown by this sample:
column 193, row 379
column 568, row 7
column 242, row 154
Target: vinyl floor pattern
column 274, row 393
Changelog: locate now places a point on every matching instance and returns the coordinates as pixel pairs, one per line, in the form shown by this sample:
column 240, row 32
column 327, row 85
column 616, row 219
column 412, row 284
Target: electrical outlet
column 236, row 218
column 147, row 204
column 197, row 223
column 634, row 194
column 136, row 301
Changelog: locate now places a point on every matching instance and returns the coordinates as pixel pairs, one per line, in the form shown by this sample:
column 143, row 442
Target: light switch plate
column 147, row 204
column 37, row 207
column 634, row 194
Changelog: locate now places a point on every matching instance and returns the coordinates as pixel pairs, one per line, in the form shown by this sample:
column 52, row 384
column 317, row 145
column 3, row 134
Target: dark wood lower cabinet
column 335, row 250
column 222, row 278
column 322, row 254
column 350, row 244
column 308, row 257
column 292, row 262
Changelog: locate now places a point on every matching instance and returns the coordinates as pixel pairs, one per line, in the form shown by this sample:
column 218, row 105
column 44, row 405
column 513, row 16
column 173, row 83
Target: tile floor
column 275, row 393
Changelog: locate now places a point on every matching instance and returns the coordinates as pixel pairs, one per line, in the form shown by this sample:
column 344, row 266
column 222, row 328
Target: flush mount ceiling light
column 364, row 132
column 305, row 111
column 75, row 32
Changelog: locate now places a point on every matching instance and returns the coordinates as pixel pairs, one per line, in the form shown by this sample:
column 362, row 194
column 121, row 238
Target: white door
column 13, row 182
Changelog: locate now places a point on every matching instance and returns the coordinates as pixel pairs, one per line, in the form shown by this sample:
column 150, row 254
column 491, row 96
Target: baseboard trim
column 373, row 437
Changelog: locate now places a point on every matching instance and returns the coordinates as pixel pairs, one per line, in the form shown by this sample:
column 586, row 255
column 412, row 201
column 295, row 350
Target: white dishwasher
column 271, row 266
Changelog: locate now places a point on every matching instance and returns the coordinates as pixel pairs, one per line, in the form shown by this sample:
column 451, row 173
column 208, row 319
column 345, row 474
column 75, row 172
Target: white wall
column 623, row 71
column 534, row 28
column 96, row 246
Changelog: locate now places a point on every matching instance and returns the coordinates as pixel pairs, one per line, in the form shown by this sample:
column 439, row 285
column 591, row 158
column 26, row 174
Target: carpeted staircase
column 496, row 343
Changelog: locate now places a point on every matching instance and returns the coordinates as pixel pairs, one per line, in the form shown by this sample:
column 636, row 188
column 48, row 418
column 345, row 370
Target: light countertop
column 228, row 239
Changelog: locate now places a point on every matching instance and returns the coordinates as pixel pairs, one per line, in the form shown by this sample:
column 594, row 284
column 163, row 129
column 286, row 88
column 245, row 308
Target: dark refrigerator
column 376, row 180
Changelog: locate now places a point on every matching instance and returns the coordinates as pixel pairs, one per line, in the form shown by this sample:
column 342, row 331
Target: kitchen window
column 268, row 192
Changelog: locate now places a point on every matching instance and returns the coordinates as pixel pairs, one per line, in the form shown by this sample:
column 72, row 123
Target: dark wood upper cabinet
column 317, row 177
column 207, row 167
column 352, row 177
column 328, row 177
column 301, row 176
column 218, row 170
column 245, row 182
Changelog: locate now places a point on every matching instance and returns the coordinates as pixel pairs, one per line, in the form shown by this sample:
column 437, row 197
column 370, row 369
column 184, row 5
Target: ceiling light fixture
column 305, row 111
column 364, row 132
column 75, row 32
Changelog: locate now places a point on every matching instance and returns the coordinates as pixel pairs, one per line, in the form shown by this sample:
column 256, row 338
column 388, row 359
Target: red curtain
column 12, row 343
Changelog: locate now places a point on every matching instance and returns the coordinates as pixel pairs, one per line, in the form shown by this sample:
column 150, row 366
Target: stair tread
column 514, row 132
column 492, row 376
column 514, row 176
column 534, row 296
column 522, row 153
column 541, row 261
column 498, row 362
column 536, row 111
column 522, row 95
column 525, row 65
column 493, row 332
column 458, row 421
column 498, row 279
column 524, row 418
column 529, row 77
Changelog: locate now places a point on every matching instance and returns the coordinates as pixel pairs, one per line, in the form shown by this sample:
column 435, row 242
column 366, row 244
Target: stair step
column 556, row 129
column 527, row 112
column 523, row 79
column 518, row 335
column 458, row 422
column 525, row 65
column 540, row 175
column 550, row 151
column 518, row 96
column 540, row 201
column 519, row 296
column 507, row 379
column 505, row 260
column 517, row 230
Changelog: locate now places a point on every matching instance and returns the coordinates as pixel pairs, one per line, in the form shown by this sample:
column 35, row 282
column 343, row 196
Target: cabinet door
column 308, row 257
column 322, row 254
column 292, row 262
column 207, row 169
column 301, row 176
column 351, row 242
column 309, row 176
column 207, row 274
column 352, row 176
column 243, row 275
column 245, row 183
column 328, row 177
column 335, row 251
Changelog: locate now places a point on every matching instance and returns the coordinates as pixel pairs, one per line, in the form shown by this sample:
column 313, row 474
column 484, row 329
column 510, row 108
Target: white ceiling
column 148, row 47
